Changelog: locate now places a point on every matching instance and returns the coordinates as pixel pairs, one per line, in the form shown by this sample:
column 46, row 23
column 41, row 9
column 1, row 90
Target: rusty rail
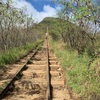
column 49, row 94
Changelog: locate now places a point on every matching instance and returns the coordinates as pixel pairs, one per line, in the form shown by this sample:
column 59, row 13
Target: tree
column 15, row 26
column 85, row 14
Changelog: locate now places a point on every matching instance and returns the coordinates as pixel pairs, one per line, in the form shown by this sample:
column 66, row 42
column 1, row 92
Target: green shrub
column 10, row 56
column 82, row 79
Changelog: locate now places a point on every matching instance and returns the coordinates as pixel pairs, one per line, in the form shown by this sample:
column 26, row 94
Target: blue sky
column 38, row 4
column 39, row 9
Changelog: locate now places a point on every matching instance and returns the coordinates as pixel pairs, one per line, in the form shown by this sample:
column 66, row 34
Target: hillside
column 55, row 25
column 69, row 33
column 52, row 24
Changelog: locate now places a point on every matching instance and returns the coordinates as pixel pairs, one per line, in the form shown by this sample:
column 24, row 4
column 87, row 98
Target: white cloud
column 48, row 11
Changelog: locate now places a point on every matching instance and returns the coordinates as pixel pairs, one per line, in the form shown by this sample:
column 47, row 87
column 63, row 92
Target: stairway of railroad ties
column 33, row 84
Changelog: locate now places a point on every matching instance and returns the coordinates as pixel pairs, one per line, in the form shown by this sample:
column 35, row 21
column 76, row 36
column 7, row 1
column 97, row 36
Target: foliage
column 16, row 27
column 81, row 11
column 81, row 79
column 74, row 37
column 11, row 55
column 86, row 18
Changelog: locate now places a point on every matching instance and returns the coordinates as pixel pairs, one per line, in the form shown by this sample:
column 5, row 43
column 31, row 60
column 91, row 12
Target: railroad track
column 40, row 78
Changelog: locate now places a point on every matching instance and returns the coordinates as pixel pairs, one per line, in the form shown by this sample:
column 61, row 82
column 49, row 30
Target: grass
column 10, row 56
column 82, row 79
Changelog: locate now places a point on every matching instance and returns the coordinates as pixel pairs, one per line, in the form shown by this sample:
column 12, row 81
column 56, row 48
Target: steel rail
column 49, row 94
